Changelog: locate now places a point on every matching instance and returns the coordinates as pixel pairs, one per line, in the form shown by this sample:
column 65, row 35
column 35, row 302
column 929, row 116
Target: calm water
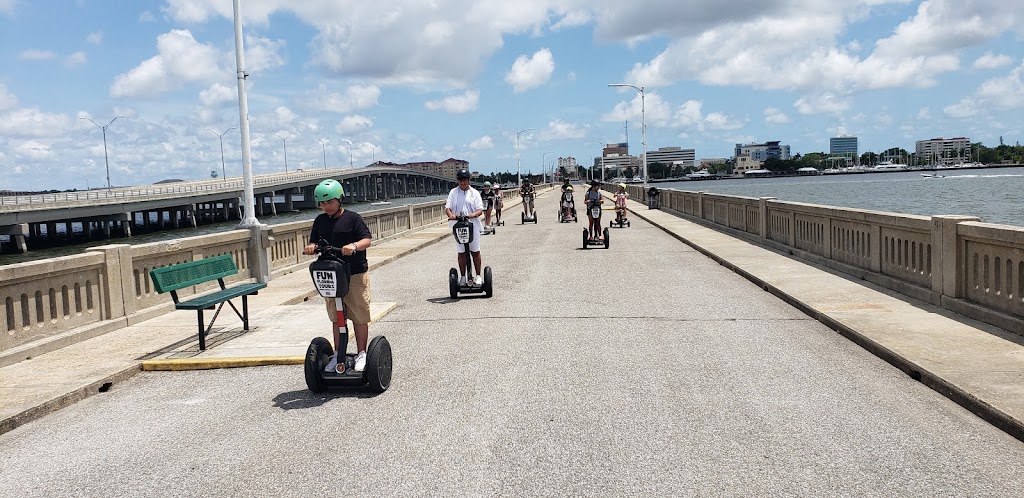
column 994, row 195
column 6, row 259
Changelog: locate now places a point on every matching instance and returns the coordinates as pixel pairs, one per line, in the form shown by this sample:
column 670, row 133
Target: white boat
column 932, row 175
column 888, row 166
column 699, row 175
column 380, row 203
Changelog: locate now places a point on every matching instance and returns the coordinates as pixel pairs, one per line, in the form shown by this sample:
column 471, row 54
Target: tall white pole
column 643, row 125
column 324, row 144
column 223, row 170
column 543, row 167
column 243, row 124
column 106, row 158
column 285, row 140
column 519, row 175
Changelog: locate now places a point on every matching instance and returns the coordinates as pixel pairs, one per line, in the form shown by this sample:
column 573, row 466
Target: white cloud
column 775, row 116
column 216, row 94
column 561, row 130
column 992, row 61
column 821, row 104
column 996, row 94
column 7, row 99
column 356, row 97
column 284, row 116
column 689, row 115
column 482, row 143
column 31, row 122
column 354, row 124
column 924, row 114
column 262, row 54
column 719, row 121
column 76, row 59
column 37, row 55
column 94, row 38
column 146, row 16
column 180, row 60
column 531, row 72
column 7, row 6
column 456, row 104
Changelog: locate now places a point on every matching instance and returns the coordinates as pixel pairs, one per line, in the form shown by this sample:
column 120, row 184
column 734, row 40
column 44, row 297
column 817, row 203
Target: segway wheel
column 534, row 217
column 488, row 282
column 523, row 218
column 317, row 356
column 378, row 364
column 586, row 238
column 627, row 223
column 606, row 232
column 453, row 283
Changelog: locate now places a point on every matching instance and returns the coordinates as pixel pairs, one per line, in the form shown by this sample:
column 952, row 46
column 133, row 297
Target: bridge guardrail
column 956, row 262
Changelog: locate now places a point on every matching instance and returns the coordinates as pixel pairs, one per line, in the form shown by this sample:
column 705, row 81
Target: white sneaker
column 332, row 366
column 463, row 281
column 478, row 280
column 360, row 362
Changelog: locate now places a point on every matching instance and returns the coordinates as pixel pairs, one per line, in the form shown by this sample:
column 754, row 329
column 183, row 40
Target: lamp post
column 349, row 142
column 223, row 171
column 543, row 166
column 243, row 124
column 519, row 176
column 285, row 140
column 373, row 157
column 643, row 126
column 323, row 143
column 106, row 159
column 602, row 144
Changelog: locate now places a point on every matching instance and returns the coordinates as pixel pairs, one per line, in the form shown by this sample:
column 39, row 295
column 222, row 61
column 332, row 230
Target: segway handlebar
column 325, row 249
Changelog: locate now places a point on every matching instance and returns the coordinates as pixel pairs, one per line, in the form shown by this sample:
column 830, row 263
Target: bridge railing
column 957, row 262
column 109, row 287
column 172, row 189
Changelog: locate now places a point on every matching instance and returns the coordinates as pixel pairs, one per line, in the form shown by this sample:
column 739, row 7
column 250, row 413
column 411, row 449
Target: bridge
column 188, row 203
column 688, row 358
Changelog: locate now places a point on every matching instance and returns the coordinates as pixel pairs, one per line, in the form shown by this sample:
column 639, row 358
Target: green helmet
column 327, row 190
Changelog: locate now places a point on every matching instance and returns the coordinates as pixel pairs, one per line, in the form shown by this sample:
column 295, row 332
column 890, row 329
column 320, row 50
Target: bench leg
column 202, row 332
column 245, row 313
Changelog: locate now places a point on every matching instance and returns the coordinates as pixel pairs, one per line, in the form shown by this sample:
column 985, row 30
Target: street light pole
column 349, row 142
column 285, row 140
column 543, row 167
column 519, row 176
column 223, row 170
column 643, row 125
column 106, row 159
column 324, row 144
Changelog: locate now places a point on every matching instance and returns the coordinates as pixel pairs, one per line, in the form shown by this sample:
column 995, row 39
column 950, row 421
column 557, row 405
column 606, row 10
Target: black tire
column 378, row 364
column 627, row 223
column 523, row 218
column 534, row 217
column 453, row 283
column 606, row 232
column 488, row 282
column 586, row 238
column 317, row 356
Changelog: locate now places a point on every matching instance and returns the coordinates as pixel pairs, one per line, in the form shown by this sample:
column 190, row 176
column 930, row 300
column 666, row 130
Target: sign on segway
column 326, row 283
column 463, row 234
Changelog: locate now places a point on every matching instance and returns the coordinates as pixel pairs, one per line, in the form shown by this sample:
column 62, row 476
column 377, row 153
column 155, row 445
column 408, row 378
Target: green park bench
column 174, row 277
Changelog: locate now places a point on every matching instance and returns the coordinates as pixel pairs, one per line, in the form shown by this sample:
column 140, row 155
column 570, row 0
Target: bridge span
column 102, row 212
column 660, row 366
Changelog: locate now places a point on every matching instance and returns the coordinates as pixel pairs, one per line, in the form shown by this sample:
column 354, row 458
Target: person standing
column 464, row 200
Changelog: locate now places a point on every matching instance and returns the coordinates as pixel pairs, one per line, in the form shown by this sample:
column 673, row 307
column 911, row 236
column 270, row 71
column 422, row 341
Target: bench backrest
column 174, row 277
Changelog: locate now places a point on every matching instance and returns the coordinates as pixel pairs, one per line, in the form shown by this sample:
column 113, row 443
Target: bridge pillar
column 273, row 203
column 289, row 206
column 106, row 228
column 17, row 233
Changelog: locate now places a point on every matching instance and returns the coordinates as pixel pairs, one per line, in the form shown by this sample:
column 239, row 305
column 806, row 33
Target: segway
column 567, row 197
column 528, row 204
column 595, row 212
column 498, row 201
column 620, row 218
column 331, row 277
column 463, row 232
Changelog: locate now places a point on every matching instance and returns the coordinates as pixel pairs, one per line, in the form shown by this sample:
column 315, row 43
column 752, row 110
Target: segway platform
column 588, row 241
column 463, row 232
column 619, row 221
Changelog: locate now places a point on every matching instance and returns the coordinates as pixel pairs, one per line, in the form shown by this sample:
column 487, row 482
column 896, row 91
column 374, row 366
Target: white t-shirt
column 465, row 202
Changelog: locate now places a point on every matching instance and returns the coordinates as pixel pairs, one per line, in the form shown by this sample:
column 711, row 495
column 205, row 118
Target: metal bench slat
column 209, row 300
column 183, row 275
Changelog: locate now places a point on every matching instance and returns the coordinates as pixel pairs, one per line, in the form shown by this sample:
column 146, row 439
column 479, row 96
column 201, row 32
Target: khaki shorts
column 357, row 301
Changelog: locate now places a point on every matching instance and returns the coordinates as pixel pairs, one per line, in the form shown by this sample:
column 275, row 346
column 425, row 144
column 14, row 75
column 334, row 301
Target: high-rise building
column 843, row 145
column 672, row 156
column 761, row 152
column 945, row 151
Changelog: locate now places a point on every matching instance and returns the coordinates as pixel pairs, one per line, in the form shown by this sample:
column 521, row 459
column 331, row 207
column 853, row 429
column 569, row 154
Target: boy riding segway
column 528, row 193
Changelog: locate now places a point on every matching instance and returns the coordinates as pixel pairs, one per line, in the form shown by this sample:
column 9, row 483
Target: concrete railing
column 108, row 287
column 956, row 262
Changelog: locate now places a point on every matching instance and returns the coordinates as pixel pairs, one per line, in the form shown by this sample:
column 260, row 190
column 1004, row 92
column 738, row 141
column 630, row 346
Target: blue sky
column 415, row 80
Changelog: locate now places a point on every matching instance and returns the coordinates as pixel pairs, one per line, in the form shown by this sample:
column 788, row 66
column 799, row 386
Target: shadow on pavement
column 303, row 398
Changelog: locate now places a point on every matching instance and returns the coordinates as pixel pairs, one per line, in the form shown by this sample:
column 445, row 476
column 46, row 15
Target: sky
column 425, row 80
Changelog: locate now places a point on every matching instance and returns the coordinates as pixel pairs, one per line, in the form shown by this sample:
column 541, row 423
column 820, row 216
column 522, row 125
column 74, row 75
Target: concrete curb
column 998, row 418
column 215, row 363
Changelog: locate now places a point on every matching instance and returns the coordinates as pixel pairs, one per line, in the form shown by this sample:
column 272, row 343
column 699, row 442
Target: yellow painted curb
column 211, row 363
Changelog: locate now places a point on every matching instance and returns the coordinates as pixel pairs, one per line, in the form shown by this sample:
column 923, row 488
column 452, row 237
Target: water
column 170, row 234
column 994, row 195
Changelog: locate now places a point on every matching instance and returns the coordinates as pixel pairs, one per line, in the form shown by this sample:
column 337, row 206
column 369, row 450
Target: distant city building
column 672, row 156
column 745, row 163
column 712, row 161
column 843, row 145
column 761, row 152
column 446, row 168
column 945, row 151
